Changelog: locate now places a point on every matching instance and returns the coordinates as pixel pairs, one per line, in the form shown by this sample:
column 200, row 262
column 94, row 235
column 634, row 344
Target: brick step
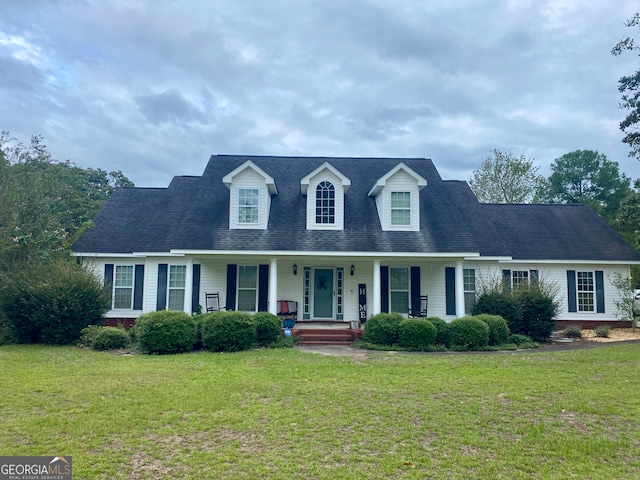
column 321, row 342
column 319, row 336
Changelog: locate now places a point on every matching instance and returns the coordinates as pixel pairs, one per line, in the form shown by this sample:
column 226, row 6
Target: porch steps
column 326, row 336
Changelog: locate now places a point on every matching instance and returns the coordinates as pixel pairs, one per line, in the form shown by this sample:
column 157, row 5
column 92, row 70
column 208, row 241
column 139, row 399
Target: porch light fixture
column 353, row 269
column 295, row 268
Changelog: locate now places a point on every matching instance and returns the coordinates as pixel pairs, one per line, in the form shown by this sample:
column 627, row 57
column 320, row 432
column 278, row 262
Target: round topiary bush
column 501, row 303
column 498, row 328
column 228, row 331
column 442, row 330
column 165, row 331
column 416, row 333
column 382, row 329
column 110, row 338
column 268, row 328
column 468, row 333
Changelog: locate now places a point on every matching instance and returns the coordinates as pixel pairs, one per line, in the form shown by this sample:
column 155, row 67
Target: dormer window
column 325, row 203
column 248, row 205
column 400, row 208
column 325, row 189
column 397, row 196
column 251, row 189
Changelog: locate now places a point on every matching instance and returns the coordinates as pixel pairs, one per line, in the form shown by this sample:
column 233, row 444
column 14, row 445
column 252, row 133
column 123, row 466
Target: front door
column 323, row 293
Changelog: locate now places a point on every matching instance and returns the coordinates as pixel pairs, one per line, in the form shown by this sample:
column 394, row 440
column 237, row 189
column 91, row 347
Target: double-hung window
column 247, row 288
column 123, row 287
column 586, row 291
column 248, row 203
column 399, row 290
column 469, row 276
column 400, row 208
column 519, row 279
column 177, row 280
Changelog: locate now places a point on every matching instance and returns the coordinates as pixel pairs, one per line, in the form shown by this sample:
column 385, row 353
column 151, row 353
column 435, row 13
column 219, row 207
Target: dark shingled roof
column 193, row 214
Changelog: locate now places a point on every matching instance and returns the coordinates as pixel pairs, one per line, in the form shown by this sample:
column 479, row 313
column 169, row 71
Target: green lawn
column 291, row 414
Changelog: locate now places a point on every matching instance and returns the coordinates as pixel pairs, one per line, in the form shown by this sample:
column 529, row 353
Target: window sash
column 248, row 203
column 519, row 279
column 399, row 290
column 400, row 208
column 123, row 287
column 247, row 288
column 325, row 203
column 176, row 287
column 586, row 291
column 469, row 276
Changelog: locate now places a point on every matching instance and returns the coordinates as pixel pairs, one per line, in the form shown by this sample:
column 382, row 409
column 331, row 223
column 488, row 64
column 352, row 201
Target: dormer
column 325, row 188
column 397, row 198
column 251, row 189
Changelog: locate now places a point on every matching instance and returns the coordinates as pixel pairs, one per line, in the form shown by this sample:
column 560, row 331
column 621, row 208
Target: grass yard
column 286, row 414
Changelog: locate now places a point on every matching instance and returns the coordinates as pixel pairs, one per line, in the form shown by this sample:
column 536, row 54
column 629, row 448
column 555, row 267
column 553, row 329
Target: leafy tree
column 586, row 176
column 45, row 204
column 505, row 178
column 629, row 86
column 627, row 223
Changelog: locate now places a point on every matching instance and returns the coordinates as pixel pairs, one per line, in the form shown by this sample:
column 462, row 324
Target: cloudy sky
column 154, row 87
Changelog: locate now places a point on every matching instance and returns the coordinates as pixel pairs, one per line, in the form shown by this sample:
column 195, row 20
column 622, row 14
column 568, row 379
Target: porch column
column 459, row 289
column 273, row 286
column 377, row 299
column 188, row 286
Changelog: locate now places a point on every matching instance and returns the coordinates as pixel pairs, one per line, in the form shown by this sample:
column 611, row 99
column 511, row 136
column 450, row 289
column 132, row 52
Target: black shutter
column 415, row 289
column 138, row 287
column 263, row 287
column 232, row 271
column 195, row 292
column 534, row 277
column 108, row 276
column 384, row 289
column 161, row 300
column 506, row 279
column 599, row 291
column 571, row 291
column 450, row 290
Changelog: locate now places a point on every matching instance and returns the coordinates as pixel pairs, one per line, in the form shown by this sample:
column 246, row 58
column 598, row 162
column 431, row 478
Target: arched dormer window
column 325, row 203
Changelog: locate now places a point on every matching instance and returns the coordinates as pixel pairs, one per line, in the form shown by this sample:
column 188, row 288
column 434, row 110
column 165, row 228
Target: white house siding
column 328, row 176
column 401, row 181
column 249, row 178
column 432, row 280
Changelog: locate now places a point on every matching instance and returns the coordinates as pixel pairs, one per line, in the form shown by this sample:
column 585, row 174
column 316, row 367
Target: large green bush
column 442, row 330
column 382, row 329
column 539, row 312
column 468, row 333
column 268, row 328
column 53, row 303
column 502, row 303
column 110, row 338
column 228, row 331
column 498, row 328
column 416, row 333
column 165, row 332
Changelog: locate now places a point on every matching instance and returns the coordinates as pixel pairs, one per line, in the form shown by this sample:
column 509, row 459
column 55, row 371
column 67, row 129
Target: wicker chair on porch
column 419, row 311
column 213, row 302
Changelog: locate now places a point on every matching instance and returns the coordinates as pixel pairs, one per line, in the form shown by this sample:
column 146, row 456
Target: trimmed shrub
column 110, row 338
column 498, row 328
column 268, row 328
column 520, row 339
column 165, row 332
column 88, row 334
column 382, row 329
column 603, row 331
column 468, row 333
column 573, row 331
column 504, row 304
column 54, row 304
column 228, row 331
column 416, row 333
column 539, row 312
column 442, row 330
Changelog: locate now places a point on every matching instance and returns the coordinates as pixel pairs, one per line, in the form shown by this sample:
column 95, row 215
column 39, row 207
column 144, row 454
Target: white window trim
column 170, row 288
column 408, row 290
column 256, row 207
column 468, row 291
column 255, row 288
column 115, row 286
column 591, row 292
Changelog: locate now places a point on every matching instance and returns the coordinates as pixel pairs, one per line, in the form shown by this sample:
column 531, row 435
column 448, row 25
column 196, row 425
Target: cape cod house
column 345, row 238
